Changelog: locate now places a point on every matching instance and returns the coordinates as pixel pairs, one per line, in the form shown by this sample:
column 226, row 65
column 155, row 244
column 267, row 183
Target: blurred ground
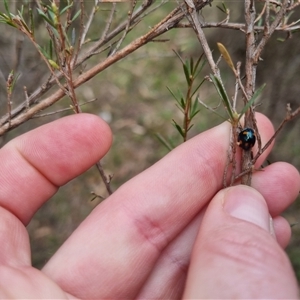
column 133, row 99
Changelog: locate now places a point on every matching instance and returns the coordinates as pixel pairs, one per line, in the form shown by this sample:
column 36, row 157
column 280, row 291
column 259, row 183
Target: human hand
column 166, row 222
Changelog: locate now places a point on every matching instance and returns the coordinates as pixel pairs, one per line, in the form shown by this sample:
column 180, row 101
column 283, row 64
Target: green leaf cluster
column 17, row 20
column 187, row 102
column 233, row 115
column 52, row 15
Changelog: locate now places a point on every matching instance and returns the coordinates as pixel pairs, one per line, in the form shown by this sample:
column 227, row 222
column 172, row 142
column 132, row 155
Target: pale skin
column 169, row 233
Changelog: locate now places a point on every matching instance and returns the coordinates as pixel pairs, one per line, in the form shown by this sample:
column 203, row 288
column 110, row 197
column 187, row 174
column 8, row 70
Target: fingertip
column 282, row 230
column 97, row 128
column 279, row 183
column 265, row 126
column 264, row 123
column 245, row 203
column 63, row 149
column 35, row 164
column 265, row 133
column 85, row 126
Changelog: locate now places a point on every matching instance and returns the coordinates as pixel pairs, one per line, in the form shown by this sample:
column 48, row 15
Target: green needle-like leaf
column 7, row 20
column 193, row 114
column 197, row 64
column 191, row 66
column 45, row 17
column 222, row 93
column 198, row 87
column 66, row 8
column 167, row 144
column 178, row 100
column 23, row 22
column 15, row 80
column 179, row 129
column 7, row 10
column 50, row 49
column 190, row 127
column 76, row 15
column 194, row 106
column 44, row 52
column 187, row 74
column 182, row 103
column 200, row 68
column 252, row 100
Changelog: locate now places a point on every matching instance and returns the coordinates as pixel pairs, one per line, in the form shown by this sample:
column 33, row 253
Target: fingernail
column 245, row 203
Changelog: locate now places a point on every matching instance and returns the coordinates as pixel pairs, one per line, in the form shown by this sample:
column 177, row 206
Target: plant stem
column 250, row 69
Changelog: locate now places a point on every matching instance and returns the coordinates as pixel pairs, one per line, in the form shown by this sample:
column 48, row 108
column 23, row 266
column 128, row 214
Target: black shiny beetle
column 246, row 139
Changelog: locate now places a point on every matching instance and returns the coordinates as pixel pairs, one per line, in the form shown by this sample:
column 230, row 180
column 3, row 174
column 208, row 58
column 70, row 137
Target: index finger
column 35, row 164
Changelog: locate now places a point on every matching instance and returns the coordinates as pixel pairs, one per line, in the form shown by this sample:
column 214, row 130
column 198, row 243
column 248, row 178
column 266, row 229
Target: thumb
column 235, row 254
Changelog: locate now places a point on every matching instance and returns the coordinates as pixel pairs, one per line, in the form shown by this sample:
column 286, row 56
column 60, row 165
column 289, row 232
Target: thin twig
column 61, row 110
column 56, row 76
column 125, row 32
column 289, row 116
column 139, row 13
column 272, row 28
column 109, row 36
column 163, row 26
column 80, row 38
column 261, row 13
column 87, row 26
column 292, row 7
column 240, row 26
column 9, row 87
column 267, row 17
column 109, row 21
column 234, row 129
column 250, row 70
column 276, row 3
column 105, row 179
column 26, row 97
column 195, row 21
column 236, row 90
